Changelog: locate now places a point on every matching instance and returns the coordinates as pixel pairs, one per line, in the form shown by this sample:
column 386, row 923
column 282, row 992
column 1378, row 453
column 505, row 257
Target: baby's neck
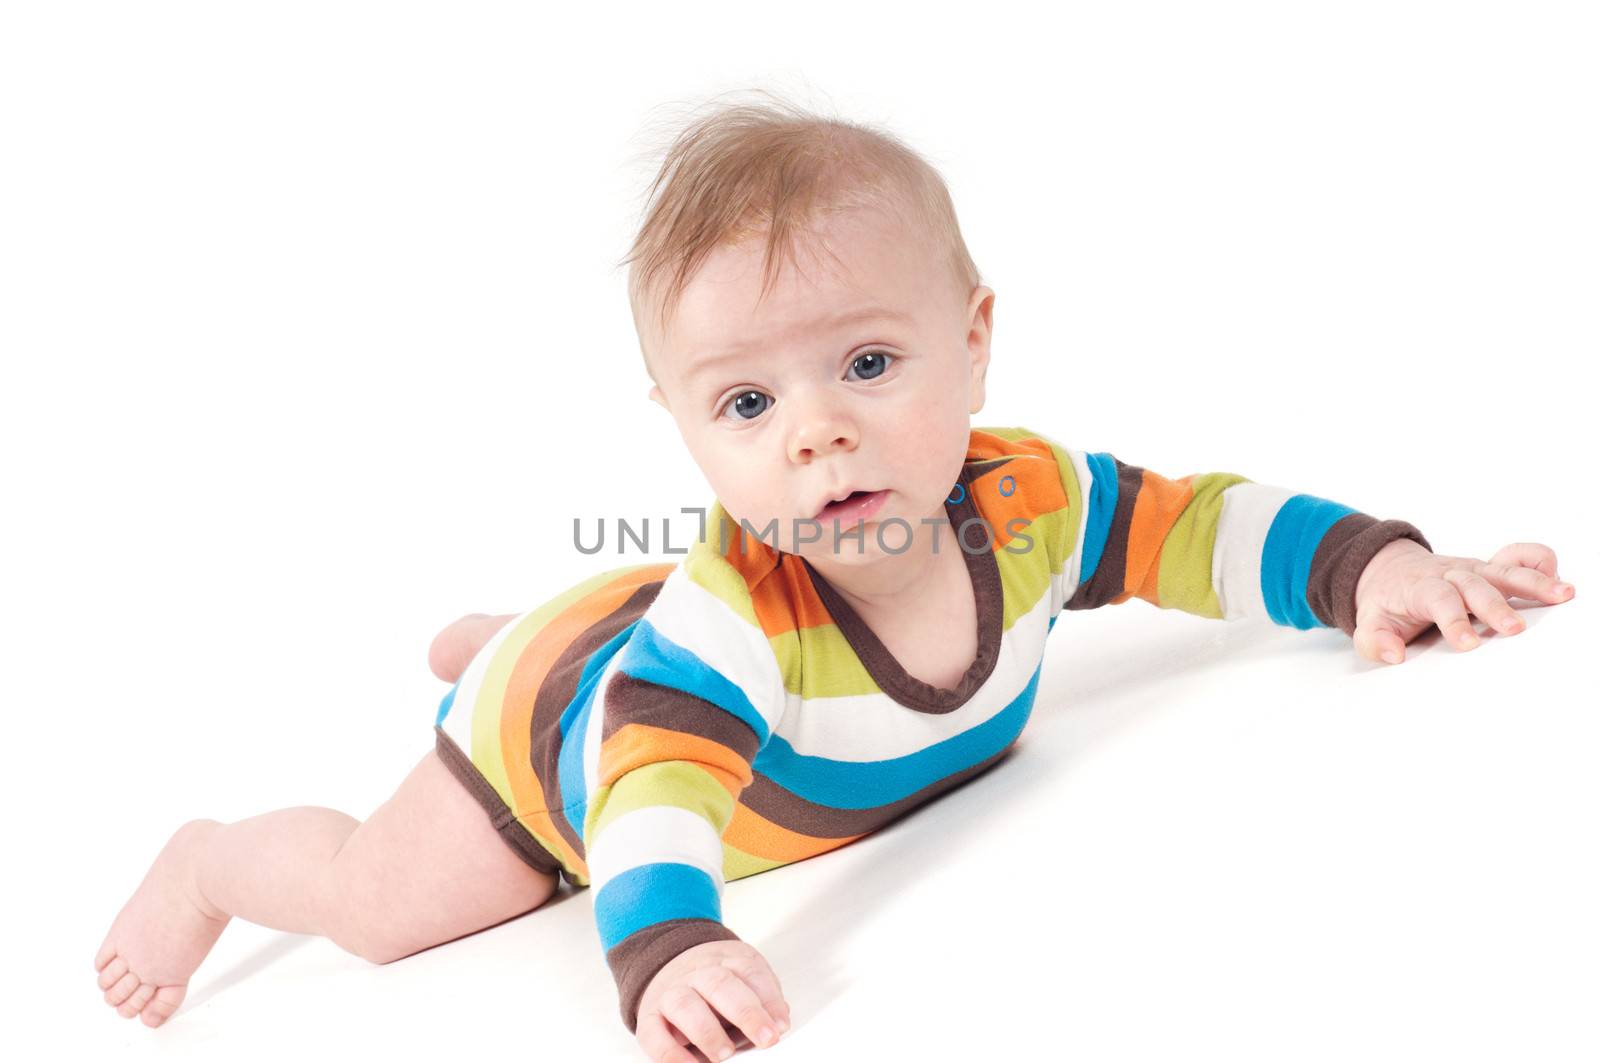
column 896, row 584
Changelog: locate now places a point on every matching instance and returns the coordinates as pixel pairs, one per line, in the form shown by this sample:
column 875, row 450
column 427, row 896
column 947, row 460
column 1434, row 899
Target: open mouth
column 857, row 505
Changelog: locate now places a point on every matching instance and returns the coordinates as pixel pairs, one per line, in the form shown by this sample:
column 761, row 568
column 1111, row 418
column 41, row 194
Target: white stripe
column 1064, row 584
column 702, row 623
column 592, row 733
column 652, row 835
column 458, row 721
column 1247, row 512
column 867, row 727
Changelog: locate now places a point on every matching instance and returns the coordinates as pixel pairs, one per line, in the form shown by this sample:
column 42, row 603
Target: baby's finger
column 1441, row 602
column 1522, row 581
column 760, row 977
column 688, row 1010
column 1369, row 640
column 658, row 1042
column 1485, row 601
column 1383, row 644
column 734, row 998
column 1527, row 555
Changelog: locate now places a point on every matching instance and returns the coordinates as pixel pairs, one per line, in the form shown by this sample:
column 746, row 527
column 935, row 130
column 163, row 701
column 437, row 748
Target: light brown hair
column 772, row 165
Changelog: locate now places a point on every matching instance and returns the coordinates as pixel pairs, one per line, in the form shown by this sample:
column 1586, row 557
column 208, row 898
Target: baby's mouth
column 857, row 505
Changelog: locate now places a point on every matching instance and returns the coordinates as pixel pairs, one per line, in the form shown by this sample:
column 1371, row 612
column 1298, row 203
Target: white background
column 313, row 341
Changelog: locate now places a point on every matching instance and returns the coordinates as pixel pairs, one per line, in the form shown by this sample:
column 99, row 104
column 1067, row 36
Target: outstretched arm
column 1216, row 544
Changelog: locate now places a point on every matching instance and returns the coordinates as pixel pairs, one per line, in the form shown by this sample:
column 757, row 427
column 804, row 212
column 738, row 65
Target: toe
column 161, row 1007
column 123, row 989
column 135, row 1004
column 112, row 972
column 103, row 957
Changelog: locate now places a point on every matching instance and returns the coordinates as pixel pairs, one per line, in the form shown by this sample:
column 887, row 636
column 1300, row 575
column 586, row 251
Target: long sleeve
column 1213, row 544
column 692, row 698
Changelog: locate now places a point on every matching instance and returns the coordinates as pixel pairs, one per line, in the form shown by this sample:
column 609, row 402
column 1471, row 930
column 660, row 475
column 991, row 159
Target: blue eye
column 875, row 362
column 750, row 404
column 749, row 411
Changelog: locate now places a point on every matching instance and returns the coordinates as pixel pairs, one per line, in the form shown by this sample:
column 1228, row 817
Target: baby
column 858, row 627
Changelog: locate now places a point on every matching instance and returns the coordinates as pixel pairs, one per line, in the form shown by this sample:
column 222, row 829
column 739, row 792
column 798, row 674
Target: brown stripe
column 556, row 693
column 639, row 957
column 988, row 595
column 636, row 700
column 766, row 798
column 504, row 821
column 977, row 470
column 1111, row 574
column 1341, row 556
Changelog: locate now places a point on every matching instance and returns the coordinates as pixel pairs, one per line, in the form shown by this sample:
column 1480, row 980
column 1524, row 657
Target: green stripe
column 736, row 863
column 705, row 565
column 829, row 668
column 680, row 783
column 1183, row 580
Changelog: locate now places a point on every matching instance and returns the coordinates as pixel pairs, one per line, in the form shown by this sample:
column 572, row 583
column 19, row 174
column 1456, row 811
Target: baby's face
column 860, row 375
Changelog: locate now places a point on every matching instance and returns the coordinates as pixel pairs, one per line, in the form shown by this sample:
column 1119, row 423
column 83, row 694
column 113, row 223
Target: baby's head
column 810, row 317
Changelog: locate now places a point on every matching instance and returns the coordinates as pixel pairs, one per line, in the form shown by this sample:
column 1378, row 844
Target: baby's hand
column 682, row 1002
column 1406, row 589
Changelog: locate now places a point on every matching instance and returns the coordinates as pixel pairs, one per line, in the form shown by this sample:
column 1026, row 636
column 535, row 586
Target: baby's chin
column 850, row 544
column 848, row 552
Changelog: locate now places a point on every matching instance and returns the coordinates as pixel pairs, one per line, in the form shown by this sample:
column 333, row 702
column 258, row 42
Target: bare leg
column 455, row 646
column 427, row 867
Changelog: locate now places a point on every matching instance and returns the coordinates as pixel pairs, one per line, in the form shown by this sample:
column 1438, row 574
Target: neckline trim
column 984, row 570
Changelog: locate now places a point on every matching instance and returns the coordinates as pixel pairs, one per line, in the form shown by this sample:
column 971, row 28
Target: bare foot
column 455, row 646
column 161, row 934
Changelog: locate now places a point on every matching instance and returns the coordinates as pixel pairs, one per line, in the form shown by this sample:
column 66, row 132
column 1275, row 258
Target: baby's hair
column 774, row 165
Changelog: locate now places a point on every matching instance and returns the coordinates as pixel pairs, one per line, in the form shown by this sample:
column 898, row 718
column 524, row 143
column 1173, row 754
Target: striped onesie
column 658, row 730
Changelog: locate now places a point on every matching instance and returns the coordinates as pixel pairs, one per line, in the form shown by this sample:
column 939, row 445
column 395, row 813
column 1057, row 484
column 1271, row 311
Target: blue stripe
column 874, row 783
column 653, row 657
column 575, row 718
column 569, row 763
column 444, row 706
column 653, row 893
column 1102, row 504
column 591, row 670
column 1292, row 540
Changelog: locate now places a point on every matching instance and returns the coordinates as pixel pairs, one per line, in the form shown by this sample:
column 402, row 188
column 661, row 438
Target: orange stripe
column 750, row 832
column 1037, row 482
column 751, row 557
column 635, row 745
column 1156, row 509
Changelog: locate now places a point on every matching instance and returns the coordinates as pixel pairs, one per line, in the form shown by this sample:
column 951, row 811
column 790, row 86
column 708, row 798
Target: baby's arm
column 1213, row 544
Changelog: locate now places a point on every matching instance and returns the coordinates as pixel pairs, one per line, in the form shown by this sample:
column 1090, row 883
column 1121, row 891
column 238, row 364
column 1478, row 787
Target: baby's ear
column 658, row 398
column 980, row 331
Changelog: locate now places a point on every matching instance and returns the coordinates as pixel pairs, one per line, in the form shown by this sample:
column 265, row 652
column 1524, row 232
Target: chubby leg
column 427, row 867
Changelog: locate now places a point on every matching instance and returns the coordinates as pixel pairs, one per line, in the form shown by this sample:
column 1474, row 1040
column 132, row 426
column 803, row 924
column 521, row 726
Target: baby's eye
column 748, row 405
column 875, row 365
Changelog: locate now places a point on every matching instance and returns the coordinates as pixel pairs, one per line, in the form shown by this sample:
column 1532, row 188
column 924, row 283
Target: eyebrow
column 847, row 317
